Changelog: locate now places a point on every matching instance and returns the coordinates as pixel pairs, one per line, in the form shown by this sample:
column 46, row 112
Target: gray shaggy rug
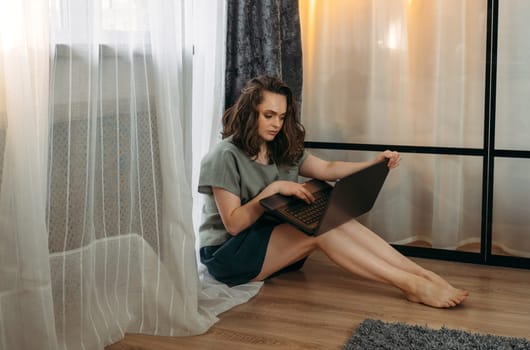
column 375, row 334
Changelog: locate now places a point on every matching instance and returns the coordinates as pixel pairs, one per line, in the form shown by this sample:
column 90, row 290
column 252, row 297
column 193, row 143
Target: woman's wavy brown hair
column 241, row 122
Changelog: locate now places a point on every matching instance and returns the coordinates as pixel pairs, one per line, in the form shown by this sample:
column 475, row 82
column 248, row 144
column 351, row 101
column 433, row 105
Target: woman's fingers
column 393, row 158
column 304, row 194
column 288, row 188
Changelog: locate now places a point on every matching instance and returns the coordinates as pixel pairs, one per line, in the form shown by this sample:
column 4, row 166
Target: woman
column 262, row 153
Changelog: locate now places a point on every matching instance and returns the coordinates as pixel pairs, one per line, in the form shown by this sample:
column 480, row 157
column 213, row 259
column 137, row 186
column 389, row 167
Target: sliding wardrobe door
column 511, row 188
column 410, row 76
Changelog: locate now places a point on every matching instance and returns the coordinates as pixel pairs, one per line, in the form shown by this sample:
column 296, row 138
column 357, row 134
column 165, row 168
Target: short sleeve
column 220, row 169
column 291, row 172
column 303, row 158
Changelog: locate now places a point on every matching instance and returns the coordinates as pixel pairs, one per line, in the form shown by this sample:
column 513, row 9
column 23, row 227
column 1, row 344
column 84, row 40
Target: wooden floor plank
column 320, row 307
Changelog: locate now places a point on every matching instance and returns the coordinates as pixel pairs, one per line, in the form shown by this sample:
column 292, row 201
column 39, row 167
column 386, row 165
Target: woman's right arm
column 237, row 217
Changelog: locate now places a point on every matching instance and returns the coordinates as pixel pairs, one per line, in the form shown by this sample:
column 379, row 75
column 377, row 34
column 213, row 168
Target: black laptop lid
column 351, row 197
column 354, row 195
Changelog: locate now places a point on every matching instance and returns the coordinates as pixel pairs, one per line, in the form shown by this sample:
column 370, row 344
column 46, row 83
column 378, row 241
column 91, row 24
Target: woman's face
column 271, row 115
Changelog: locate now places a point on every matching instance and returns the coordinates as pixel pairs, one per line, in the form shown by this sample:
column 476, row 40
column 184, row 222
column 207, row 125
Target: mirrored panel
column 511, row 203
column 394, row 72
column 428, row 201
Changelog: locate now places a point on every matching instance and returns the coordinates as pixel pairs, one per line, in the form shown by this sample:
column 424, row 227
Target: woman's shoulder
column 220, row 168
column 223, row 151
column 225, row 146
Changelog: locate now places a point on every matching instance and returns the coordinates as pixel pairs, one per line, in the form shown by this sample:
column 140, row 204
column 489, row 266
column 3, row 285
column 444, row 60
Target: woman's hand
column 289, row 188
column 393, row 158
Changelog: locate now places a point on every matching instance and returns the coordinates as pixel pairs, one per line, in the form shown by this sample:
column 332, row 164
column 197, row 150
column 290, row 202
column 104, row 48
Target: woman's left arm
column 314, row 167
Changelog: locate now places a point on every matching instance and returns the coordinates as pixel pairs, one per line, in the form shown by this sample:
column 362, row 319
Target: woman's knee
column 338, row 235
column 311, row 243
column 306, row 243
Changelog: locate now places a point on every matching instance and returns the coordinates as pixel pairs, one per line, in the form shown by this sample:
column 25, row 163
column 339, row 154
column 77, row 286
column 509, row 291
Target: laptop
column 349, row 198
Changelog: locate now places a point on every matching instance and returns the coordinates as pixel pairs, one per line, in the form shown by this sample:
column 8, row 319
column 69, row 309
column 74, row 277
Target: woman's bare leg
column 368, row 239
column 342, row 248
column 288, row 245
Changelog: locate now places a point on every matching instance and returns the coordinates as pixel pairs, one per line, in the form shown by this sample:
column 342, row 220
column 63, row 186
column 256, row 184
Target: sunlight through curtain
column 26, row 301
column 511, row 197
column 96, row 172
column 403, row 72
column 208, row 105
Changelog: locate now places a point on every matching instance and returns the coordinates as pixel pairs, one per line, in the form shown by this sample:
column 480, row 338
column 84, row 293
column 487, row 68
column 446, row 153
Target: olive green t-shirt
column 229, row 168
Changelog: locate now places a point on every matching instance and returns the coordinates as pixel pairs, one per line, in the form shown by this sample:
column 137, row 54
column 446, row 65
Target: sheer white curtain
column 96, row 126
column 209, row 38
column 26, row 301
column 511, row 197
column 403, row 72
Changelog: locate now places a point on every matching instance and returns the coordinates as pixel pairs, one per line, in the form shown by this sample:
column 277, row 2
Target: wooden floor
column 320, row 307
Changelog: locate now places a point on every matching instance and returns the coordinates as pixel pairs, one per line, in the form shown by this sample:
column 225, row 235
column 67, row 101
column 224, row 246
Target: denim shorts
column 240, row 258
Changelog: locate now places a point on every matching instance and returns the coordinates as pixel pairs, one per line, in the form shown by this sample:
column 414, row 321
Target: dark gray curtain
column 263, row 37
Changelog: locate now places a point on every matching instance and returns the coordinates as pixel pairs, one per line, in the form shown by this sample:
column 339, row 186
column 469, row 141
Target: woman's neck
column 263, row 155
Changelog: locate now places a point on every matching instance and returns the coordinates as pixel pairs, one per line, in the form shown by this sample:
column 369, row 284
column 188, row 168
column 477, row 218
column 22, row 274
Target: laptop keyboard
column 310, row 213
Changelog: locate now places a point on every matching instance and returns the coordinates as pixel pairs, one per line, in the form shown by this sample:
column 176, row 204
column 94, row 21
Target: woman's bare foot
column 437, row 279
column 439, row 293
